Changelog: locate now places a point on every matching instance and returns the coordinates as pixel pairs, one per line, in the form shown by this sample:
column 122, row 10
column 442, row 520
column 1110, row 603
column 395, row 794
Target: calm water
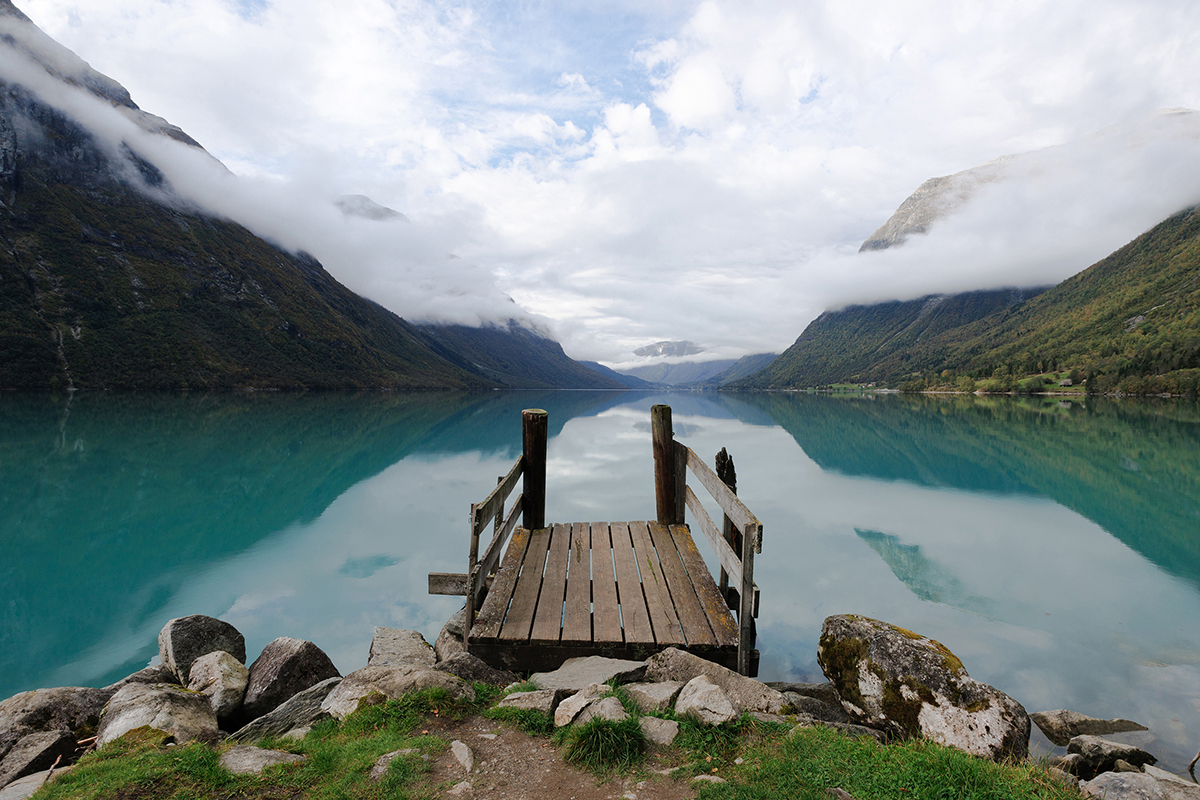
column 1055, row 547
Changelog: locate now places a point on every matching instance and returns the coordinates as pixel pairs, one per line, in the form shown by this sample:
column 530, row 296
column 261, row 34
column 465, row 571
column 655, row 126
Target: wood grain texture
column 606, row 616
column 519, row 620
column 663, row 618
column 711, row 600
column 547, row 621
column 495, row 607
column 692, row 618
column 635, row 617
column 577, row 615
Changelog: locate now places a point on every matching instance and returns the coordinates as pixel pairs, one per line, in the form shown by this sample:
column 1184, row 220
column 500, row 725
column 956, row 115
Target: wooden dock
column 618, row 589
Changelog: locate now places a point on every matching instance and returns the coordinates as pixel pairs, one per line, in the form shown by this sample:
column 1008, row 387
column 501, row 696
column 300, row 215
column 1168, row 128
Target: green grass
column 603, row 746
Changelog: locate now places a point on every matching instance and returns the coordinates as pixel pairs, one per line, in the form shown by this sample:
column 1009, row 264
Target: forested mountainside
column 1128, row 323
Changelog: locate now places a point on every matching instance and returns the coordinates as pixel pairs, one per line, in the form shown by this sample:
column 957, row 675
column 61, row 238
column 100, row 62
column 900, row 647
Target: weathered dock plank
column 635, row 617
column 606, row 615
column 683, row 595
column 577, row 616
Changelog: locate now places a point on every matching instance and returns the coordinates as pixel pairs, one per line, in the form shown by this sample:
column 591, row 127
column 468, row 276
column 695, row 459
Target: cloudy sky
column 635, row 171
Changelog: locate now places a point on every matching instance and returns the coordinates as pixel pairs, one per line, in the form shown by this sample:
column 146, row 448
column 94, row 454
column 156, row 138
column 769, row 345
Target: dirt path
column 512, row 765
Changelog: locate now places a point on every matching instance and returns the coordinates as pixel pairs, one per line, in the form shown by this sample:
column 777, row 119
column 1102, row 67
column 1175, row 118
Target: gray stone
column 652, row 697
column 1064, row 778
column 1062, row 725
column 299, row 711
column 298, row 733
column 659, row 731
column 825, row 692
column 381, row 765
column 544, row 700
column 285, row 668
column 846, row 729
column 391, row 647
column 37, row 752
column 1100, row 755
column 184, row 639
column 71, row 708
column 152, row 674
column 746, row 694
column 705, row 701
column 896, row 680
column 608, row 708
column 839, row 794
column 804, row 704
column 447, row 645
column 171, row 709
column 460, row 788
column 574, row 705
column 1123, row 786
column 244, row 758
column 454, row 625
column 221, row 678
column 23, row 788
column 392, row 683
column 463, row 755
column 1121, row 765
column 1175, row 787
column 473, row 669
column 576, row 673
column 707, row 779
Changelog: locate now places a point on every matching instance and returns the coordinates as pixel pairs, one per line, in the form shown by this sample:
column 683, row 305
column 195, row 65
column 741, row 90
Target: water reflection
column 1053, row 548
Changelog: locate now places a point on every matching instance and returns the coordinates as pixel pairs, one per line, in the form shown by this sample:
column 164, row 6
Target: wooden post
column 533, row 434
column 746, row 632
column 728, row 476
column 666, row 488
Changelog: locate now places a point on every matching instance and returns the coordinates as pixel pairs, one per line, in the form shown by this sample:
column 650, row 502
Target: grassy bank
column 756, row 759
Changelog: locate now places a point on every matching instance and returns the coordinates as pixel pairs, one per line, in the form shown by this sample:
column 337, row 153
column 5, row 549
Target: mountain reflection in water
column 1054, row 548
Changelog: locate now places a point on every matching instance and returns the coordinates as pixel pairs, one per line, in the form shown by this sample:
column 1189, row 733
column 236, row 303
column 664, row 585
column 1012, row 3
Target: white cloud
column 639, row 172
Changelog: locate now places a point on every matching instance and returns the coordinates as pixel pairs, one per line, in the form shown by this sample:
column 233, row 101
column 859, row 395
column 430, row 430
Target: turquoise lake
column 1054, row 546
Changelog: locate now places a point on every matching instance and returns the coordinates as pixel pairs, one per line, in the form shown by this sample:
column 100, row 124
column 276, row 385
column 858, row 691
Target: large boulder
column 391, row 682
column 543, row 700
column 299, row 711
column 1062, row 725
column 222, row 679
column 72, row 708
column 184, row 639
column 899, row 681
column 393, row 646
column 1101, row 755
column 1124, row 786
column 183, row 714
column 286, row 667
column 36, row 752
column 157, row 673
column 746, row 694
column 651, row 697
column 473, row 669
column 804, row 704
column 577, row 673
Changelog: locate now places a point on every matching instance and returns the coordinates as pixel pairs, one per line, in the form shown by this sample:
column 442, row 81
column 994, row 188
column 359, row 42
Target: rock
column 1100, row 755
column 153, row 674
column 447, row 645
column 381, row 765
column 285, row 667
column 746, row 694
column 391, row 682
column 184, row 715
column 244, row 758
column 301, row 710
column 37, row 752
column 574, row 705
column 23, row 788
column 707, row 779
column 1061, row 725
column 659, row 731
column 705, row 701
column 891, row 678
column 298, row 733
column 1061, row 777
column 1173, row 786
column 463, row 755
column 392, row 647
column 221, row 678
column 184, row 639
column 652, row 697
column 454, row 625
column 472, row 669
column 1123, row 786
column 544, row 700
column 839, row 794
column 71, row 708
column 608, row 708
column 576, row 673
column 804, row 704
column 825, row 692
column 459, row 789
column 844, row 728
column 1121, row 765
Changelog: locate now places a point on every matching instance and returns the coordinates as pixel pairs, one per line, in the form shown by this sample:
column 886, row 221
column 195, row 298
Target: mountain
column 513, row 356
column 110, row 280
column 628, row 381
column 658, row 349
column 742, row 368
column 1131, row 315
column 680, row 374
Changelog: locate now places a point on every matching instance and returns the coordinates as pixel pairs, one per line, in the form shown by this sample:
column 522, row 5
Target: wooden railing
column 741, row 537
column 529, row 507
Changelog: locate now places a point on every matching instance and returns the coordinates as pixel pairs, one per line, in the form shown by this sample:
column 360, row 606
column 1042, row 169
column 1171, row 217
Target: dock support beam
column 533, row 437
column 669, row 479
